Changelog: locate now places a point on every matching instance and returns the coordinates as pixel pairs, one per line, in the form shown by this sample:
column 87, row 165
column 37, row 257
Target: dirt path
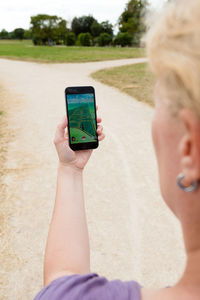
column 132, row 233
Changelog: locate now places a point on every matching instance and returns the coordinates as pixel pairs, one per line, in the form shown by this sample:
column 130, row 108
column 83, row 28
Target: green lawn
column 135, row 80
column 78, row 134
column 25, row 50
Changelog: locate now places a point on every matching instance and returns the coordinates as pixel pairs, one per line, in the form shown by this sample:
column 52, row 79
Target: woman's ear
column 190, row 146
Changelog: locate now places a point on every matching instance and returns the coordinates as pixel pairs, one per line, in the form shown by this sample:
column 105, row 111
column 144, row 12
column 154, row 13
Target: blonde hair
column 173, row 47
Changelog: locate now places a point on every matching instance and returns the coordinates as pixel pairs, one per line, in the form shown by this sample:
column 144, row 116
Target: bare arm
column 68, row 243
column 67, row 250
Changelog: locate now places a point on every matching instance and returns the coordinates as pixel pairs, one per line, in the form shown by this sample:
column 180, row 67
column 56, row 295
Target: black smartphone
column 82, row 120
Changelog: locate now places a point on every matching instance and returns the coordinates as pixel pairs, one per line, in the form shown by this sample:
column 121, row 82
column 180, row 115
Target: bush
column 4, row 34
column 96, row 29
column 27, row 34
column 123, row 39
column 84, row 39
column 36, row 41
column 104, row 39
column 70, row 39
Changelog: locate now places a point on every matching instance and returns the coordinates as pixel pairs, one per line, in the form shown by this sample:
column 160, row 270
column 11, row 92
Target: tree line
column 85, row 30
column 16, row 34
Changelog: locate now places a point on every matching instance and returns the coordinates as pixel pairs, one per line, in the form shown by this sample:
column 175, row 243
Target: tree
column 4, row 34
column 46, row 29
column 107, row 27
column 123, row 39
column 96, row 29
column 103, row 27
column 82, row 24
column 70, row 39
column 84, row 39
column 27, row 34
column 60, row 32
column 18, row 34
column 104, row 39
column 132, row 19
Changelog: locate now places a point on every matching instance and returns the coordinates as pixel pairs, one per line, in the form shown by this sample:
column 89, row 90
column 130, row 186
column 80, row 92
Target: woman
column 174, row 53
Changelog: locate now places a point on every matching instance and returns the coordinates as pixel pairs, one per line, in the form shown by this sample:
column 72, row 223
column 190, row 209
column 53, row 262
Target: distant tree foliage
column 4, row 34
column 47, row 30
column 27, row 34
column 70, row 39
column 107, row 27
column 85, row 30
column 96, row 29
column 123, row 39
column 82, row 24
column 84, row 39
column 132, row 19
column 18, row 34
column 104, row 39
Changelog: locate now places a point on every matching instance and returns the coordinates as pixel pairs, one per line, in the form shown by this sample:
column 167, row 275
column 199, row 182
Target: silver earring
column 190, row 188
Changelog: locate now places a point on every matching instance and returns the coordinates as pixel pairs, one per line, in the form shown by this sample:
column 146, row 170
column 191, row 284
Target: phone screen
column 82, row 118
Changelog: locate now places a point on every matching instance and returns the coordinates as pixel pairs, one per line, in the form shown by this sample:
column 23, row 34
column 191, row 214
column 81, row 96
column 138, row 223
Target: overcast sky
column 16, row 13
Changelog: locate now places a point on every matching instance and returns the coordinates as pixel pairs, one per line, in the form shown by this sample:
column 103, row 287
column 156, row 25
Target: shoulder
column 156, row 294
column 90, row 286
column 148, row 294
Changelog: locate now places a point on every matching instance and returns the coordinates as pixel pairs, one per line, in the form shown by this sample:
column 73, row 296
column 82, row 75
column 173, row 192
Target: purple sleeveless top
column 89, row 287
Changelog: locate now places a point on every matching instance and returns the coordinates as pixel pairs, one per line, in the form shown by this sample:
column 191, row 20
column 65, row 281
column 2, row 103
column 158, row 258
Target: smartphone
column 82, row 120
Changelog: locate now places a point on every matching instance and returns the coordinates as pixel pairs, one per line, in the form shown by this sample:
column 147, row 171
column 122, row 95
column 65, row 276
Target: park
column 126, row 215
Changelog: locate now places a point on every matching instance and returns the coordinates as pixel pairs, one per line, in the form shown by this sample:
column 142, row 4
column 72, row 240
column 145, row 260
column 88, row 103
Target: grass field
column 135, row 80
column 25, row 50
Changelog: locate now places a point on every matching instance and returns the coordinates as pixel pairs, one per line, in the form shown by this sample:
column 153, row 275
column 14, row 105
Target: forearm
column 67, row 247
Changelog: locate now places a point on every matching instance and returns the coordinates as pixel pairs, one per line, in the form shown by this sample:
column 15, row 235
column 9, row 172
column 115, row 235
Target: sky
column 17, row 13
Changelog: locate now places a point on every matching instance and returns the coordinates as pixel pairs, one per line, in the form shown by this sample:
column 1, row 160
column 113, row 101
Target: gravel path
column 132, row 233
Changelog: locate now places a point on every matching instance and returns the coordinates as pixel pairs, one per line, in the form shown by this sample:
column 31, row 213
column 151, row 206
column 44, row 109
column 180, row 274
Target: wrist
column 69, row 168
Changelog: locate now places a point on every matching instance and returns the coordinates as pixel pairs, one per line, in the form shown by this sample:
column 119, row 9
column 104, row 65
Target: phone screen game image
column 81, row 114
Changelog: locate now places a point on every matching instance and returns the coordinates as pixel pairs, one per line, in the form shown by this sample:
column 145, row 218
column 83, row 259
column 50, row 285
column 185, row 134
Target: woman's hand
column 68, row 248
column 68, row 157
